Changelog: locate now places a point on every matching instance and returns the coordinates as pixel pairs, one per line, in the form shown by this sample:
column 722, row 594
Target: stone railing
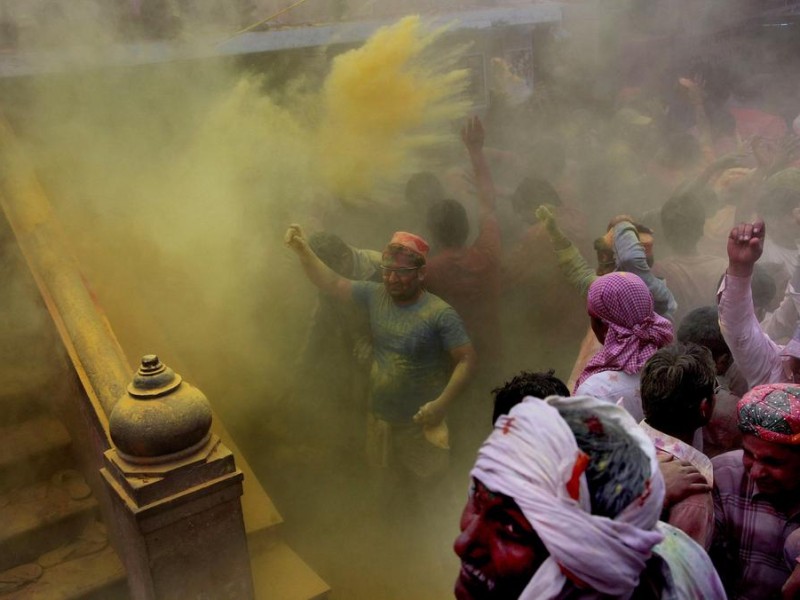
column 169, row 490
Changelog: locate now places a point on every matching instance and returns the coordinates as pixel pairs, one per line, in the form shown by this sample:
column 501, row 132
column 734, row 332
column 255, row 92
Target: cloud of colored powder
column 382, row 104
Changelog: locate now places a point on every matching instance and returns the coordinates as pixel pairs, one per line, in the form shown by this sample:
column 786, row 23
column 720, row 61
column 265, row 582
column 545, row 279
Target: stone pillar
column 176, row 493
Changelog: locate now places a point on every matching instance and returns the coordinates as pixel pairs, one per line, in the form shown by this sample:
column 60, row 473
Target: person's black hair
column 618, row 468
column 448, row 224
column 533, row 192
column 674, row 381
column 423, row 189
column 527, row 383
column 682, row 220
column 331, row 250
column 701, row 327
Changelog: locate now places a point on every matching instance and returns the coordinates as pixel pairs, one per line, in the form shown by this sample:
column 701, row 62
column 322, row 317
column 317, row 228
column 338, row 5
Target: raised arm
column 756, row 354
column 473, row 136
column 630, row 256
column 317, row 271
column 570, row 261
column 695, row 89
column 745, row 246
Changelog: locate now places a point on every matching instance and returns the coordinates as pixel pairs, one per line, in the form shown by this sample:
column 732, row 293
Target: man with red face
column 564, row 503
column 757, row 495
column 422, row 356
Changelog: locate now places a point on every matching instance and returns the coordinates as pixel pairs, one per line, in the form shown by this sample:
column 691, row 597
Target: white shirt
column 616, row 387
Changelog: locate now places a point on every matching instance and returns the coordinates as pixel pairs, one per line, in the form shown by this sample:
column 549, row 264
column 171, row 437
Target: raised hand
column 546, row 216
column 695, row 87
column 745, row 245
column 472, row 134
column 295, row 239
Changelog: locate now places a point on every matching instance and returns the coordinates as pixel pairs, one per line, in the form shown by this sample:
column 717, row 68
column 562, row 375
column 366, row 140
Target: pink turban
column 772, row 412
column 411, row 242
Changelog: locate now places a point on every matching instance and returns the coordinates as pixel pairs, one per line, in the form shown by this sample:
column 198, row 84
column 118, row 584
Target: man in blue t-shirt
column 423, row 358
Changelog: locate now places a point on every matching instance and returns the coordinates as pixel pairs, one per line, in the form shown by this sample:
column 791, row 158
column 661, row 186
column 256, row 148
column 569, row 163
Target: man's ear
column 707, row 409
column 421, row 272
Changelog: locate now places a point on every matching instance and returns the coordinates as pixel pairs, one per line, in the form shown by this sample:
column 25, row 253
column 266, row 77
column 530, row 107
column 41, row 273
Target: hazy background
column 175, row 182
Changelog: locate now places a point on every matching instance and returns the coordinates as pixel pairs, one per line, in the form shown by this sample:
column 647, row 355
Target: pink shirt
column 615, row 387
column 750, row 533
column 695, row 514
column 756, row 355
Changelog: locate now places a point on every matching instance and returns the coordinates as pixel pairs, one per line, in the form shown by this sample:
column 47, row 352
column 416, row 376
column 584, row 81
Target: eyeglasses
column 399, row 271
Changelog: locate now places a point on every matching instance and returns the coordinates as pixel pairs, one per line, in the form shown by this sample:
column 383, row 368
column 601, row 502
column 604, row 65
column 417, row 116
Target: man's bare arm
column 317, row 271
column 432, row 413
column 473, row 136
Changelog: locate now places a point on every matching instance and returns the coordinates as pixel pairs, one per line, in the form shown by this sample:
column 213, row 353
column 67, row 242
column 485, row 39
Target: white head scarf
column 531, row 456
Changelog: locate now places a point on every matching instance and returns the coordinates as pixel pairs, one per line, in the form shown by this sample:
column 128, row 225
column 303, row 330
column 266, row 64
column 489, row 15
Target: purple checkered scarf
column 635, row 332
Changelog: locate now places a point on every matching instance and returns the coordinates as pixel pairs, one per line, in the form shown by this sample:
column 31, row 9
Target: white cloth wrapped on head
column 532, row 457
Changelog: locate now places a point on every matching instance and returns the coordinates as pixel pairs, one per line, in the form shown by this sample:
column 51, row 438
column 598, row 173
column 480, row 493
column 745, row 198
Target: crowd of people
column 668, row 464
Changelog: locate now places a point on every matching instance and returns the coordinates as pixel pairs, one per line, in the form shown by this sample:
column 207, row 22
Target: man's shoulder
column 363, row 290
column 365, row 264
column 729, row 460
column 608, row 380
column 371, row 286
column 439, row 313
column 728, row 470
column 433, row 302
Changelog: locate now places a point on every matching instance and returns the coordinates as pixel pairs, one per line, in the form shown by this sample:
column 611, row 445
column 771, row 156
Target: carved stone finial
column 160, row 418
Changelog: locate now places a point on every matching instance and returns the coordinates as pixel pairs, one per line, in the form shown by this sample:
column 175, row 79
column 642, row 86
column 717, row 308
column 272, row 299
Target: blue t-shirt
column 410, row 344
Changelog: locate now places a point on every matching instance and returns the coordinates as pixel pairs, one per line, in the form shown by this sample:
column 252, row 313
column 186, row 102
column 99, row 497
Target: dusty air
column 386, row 301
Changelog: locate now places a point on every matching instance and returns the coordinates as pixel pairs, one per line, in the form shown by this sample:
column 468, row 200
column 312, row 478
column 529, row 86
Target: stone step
column 97, row 576
column 21, row 399
column 43, row 516
column 280, row 574
column 31, row 451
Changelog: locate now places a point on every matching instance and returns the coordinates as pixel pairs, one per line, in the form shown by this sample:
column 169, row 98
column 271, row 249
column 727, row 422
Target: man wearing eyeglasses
column 423, row 358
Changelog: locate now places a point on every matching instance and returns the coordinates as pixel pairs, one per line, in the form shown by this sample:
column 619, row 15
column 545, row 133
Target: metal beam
column 124, row 55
